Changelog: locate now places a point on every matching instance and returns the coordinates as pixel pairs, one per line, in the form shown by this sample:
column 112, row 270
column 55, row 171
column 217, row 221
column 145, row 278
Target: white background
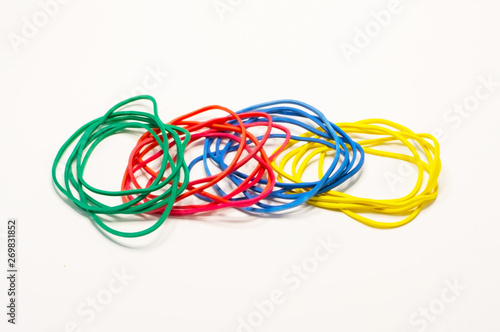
column 203, row 274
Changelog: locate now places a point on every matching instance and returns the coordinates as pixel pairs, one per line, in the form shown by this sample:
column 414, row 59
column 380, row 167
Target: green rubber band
column 115, row 121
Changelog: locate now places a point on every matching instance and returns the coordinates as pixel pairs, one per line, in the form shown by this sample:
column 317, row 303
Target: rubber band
column 219, row 129
column 346, row 162
column 115, row 121
column 387, row 132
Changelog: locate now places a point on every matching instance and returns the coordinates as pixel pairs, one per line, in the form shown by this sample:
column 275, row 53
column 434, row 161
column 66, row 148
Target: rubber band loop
column 346, row 162
column 115, row 121
column 217, row 128
column 387, row 132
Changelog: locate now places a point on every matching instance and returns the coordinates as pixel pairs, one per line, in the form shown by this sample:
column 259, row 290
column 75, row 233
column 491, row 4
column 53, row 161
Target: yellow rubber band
column 388, row 133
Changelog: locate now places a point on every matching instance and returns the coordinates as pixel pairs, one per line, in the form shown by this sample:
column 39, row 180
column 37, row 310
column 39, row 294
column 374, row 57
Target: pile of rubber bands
column 254, row 160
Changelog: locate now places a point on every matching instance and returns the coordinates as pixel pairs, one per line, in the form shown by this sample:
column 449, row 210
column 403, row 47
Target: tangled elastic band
column 254, row 160
column 172, row 177
column 344, row 164
column 229, row 128
column 386, row 133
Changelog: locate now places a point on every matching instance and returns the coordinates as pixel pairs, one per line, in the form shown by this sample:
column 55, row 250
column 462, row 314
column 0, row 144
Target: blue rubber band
column 281, row 197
